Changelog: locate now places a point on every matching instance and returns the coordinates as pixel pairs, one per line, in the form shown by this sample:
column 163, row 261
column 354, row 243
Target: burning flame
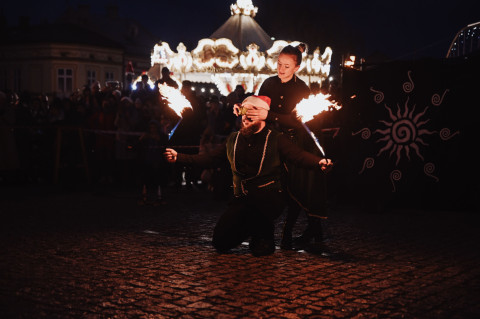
column 313, row 105
column 176, row 100
column 350, row 62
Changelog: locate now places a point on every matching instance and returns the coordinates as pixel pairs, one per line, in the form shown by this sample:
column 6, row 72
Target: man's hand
column 326, row 164
column 170, row 155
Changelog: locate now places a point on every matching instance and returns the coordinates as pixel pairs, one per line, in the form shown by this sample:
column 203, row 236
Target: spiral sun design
column 404, row 132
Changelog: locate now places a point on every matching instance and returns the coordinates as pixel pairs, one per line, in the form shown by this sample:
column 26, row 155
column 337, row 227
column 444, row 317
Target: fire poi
column 313, row 105
column 176, row 101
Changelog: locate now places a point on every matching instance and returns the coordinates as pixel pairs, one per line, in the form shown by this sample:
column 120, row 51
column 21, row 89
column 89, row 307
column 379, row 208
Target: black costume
column 305, row 187
column 256, row 163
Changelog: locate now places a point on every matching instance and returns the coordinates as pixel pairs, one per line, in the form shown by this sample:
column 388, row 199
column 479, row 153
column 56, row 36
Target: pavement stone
column 96, row 254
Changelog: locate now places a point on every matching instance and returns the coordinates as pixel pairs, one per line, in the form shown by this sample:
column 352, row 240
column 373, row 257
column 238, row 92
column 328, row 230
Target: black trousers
column 252, row 216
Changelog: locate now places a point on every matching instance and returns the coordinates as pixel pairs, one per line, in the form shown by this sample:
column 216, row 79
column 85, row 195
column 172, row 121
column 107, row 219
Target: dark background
column 406, row 29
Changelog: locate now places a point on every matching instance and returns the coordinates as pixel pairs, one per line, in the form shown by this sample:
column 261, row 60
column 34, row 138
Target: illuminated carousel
column 220, row 60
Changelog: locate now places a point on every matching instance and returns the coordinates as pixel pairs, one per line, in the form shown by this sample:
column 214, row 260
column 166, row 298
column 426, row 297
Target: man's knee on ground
column 220, row 244
column 262, row 247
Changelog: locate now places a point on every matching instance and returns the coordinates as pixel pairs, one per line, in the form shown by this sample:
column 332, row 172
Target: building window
column 65, row 80
column 108, row 76
column 91, row 77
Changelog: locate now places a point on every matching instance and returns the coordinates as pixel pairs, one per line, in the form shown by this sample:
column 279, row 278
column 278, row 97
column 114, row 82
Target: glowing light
column 183, row 60
column 253, row 59
column 313, row 105
column 220, row 52
column 175, row 99
column 350, row 62
column 162, row 54
column 150, row 83
column 244, row 7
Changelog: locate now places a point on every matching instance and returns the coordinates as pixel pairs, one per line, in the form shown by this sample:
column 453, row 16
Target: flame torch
column 311, row 106
column 176, row 101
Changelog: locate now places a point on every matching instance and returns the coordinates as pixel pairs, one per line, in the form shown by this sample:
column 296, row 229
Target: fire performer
column 255, row 154
column 307, row 188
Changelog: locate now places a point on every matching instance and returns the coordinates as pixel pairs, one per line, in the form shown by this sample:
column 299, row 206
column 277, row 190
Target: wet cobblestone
column 85, row 254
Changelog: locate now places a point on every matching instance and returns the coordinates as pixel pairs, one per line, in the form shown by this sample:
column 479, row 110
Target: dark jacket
column 259, row 157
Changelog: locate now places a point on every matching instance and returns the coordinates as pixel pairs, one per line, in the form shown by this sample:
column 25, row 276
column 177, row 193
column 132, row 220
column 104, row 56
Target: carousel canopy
column 243, row 30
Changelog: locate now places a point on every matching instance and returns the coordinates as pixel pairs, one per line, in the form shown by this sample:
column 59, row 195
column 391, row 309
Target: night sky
column 408, row 29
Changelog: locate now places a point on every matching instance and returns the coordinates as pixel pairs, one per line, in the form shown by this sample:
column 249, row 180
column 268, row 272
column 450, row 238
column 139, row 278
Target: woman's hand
column 170, row 155
column 236, row 109
column 257, row 114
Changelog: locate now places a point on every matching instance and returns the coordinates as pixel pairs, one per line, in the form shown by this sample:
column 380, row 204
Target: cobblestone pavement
column 85, row 254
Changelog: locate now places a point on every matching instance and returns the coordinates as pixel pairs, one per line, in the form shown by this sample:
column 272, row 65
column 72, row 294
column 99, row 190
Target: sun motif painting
column 402, row 133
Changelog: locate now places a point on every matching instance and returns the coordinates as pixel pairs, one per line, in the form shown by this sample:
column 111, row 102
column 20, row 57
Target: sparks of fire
column 315, row 104
column 176, row 101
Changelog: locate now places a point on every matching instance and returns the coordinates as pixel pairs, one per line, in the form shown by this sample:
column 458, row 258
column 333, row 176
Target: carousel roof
column 243, row 30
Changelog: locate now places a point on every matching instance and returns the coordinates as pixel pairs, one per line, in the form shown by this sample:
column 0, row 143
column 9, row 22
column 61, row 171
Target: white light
column 203, row 90
column 212, row 90
column 330, row 78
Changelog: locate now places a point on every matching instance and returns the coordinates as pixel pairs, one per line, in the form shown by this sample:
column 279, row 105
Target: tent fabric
column 243, row 30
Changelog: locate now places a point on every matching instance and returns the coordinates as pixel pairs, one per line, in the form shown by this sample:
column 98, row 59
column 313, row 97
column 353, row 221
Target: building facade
column 75, row 51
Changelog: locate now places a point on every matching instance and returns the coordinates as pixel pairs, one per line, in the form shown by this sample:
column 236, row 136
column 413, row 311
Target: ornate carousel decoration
column 228, row 59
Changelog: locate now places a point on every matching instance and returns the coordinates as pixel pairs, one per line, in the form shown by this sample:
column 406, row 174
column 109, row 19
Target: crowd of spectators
column 113, row 136
column 117, row 130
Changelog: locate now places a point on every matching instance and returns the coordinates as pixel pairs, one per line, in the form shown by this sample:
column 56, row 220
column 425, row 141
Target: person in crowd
column 198, row 107
column 306, row 187
column 166, row 79
column 218, row 179
column 216, row 121
column 125, row 121
column 154, row 168
column 144, row 115
column 236, row 96
column 143, row 90
column 56, row 112
column 8, row 149
column 96, row 95
column 187, row 134
column 102, row 119
column 255, row 154
column 233, row 98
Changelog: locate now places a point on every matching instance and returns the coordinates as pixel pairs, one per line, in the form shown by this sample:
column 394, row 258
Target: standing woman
column 305, row 187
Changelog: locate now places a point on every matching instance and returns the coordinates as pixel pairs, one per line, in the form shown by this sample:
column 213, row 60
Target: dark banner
column 406, row 136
